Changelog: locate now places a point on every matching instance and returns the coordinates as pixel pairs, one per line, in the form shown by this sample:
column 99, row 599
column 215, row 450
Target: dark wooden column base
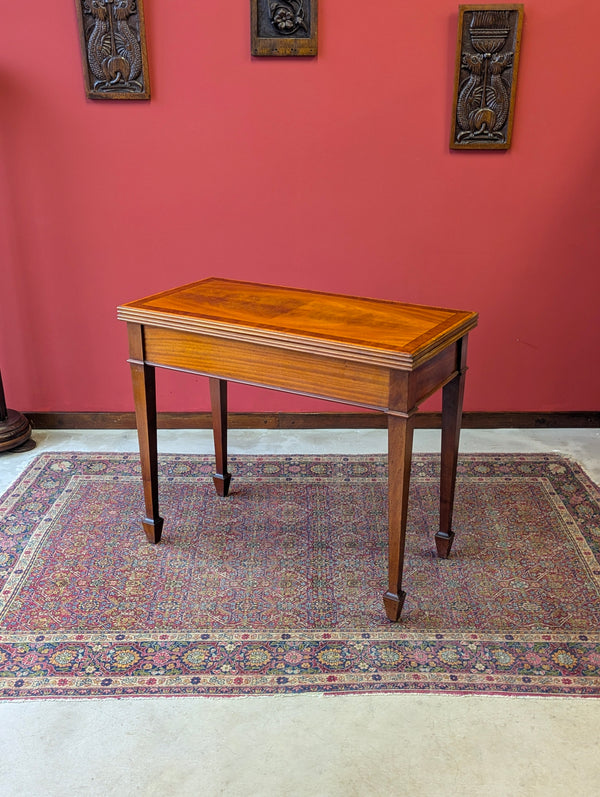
column 221, row 483
column 153, row 529
column 15, row 430
column 443, row 543
column 393, row 605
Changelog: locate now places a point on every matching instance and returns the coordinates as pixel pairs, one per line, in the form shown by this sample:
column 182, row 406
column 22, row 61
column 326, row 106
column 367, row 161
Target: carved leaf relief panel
column 113, row 44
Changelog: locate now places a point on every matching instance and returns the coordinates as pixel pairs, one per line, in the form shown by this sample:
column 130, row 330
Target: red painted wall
column 331, row 173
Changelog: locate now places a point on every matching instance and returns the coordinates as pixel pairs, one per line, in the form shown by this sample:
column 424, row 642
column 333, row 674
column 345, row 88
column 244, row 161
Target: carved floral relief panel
column 113, row 44
column 487, row 58
column 283, row 27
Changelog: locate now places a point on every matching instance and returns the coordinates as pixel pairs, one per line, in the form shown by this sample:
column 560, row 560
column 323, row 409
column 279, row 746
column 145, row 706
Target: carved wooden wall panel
column 113, row 45
column 283, row 27
column 487, row 59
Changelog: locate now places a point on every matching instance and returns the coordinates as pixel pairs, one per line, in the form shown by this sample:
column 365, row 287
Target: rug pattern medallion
column 278, row 587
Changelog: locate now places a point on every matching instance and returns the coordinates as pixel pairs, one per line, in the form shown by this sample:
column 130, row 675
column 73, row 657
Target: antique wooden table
column 369, row 353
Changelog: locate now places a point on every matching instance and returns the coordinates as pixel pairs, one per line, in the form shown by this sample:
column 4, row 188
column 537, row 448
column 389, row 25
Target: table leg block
column 222, row 482
column 393, row 605
column 153, row 529
column 443, row 543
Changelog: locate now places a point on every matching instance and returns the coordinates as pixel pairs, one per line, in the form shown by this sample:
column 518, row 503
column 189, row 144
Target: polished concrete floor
column 416, row 745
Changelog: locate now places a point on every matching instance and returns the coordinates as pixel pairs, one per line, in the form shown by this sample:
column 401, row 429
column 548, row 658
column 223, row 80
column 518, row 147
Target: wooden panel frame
column 487, row 61
column 113, row 49
column 283, row 27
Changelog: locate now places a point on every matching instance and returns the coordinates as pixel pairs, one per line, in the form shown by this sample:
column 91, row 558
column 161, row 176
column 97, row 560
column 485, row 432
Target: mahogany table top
column 375, row 330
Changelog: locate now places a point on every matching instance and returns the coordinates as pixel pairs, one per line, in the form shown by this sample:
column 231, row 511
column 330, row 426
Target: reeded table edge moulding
column 283, row 27
column 113, row 49
column 487, row 60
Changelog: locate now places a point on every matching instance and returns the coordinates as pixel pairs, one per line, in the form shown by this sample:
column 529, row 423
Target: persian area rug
column 277, row 588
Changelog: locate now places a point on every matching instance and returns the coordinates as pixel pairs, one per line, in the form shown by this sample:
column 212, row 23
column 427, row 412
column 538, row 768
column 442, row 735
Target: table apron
column 312, row 374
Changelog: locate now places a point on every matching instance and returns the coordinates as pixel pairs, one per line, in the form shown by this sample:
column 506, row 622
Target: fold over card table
column 369, row 353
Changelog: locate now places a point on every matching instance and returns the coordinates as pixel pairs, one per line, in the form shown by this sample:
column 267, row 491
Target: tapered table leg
column 400, row 438
column 144, row 393
column 218, row 400
column 452, row 400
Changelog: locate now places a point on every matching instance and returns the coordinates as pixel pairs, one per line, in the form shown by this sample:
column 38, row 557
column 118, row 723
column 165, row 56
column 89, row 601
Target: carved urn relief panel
column 487, row 58
column 113, row 45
